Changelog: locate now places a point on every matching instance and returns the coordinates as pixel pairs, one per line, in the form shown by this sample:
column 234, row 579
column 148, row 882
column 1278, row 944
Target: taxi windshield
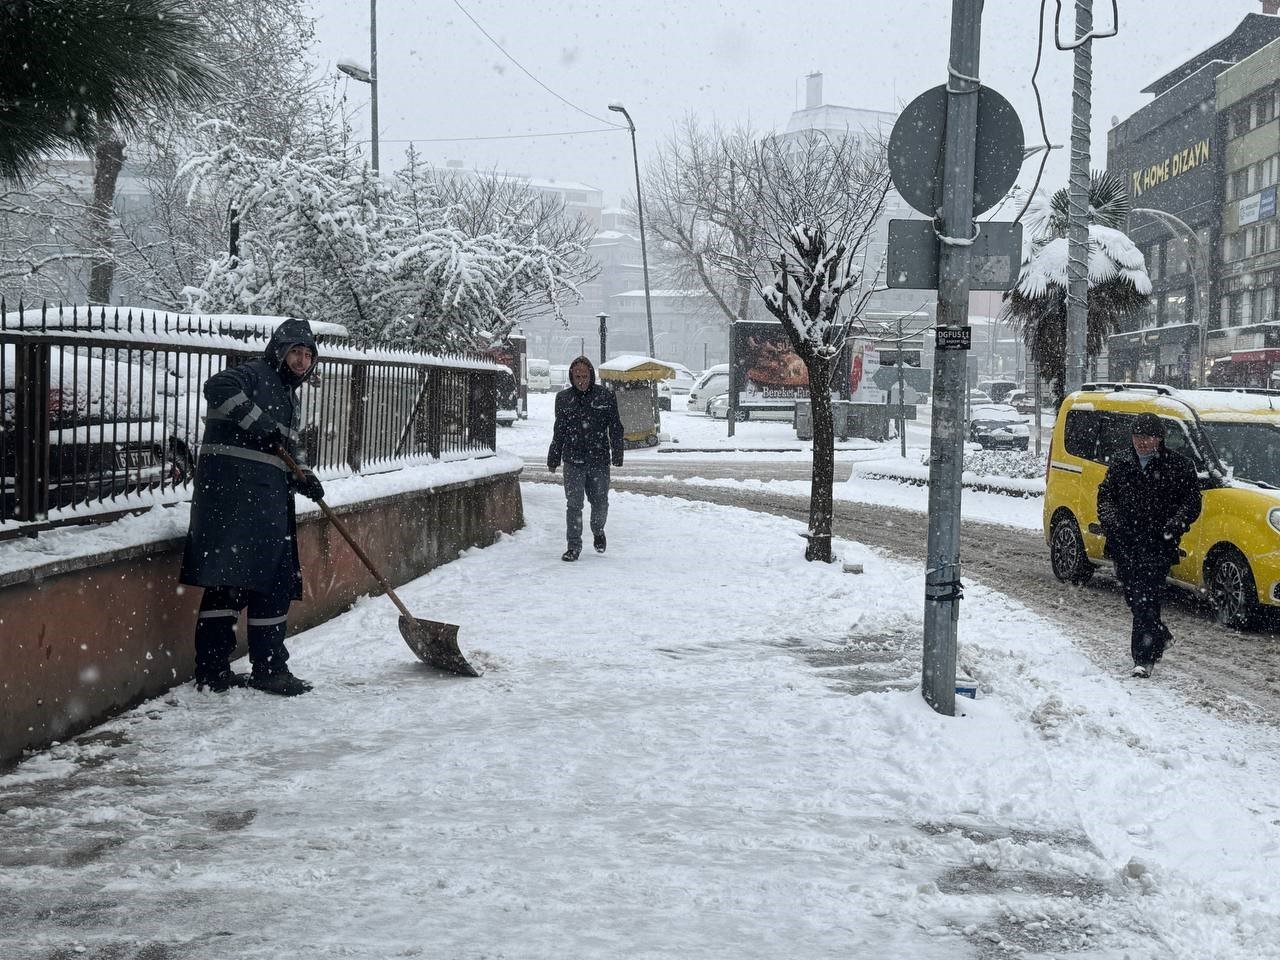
column 1250, row 450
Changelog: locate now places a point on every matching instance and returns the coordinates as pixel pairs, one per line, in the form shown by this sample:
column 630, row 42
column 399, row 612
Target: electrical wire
column 500, row 136
column 1040, row 109
column 588, row 113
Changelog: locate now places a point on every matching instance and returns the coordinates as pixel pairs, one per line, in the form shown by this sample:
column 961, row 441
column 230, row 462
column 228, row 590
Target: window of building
column 1264, row 109
column 1175, row 307
column 1270, row 170
column 1175, row 261
column 1238, row 120
column 1266, row 304
column 1240, row 183
column 1155, row 260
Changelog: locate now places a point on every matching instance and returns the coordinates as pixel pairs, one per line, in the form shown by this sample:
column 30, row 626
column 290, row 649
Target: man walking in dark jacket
column 1149, row 498
column 242, row 546
column 587, row 437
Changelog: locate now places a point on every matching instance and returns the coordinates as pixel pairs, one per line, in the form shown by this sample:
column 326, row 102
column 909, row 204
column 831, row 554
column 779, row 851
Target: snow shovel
column 434, row 643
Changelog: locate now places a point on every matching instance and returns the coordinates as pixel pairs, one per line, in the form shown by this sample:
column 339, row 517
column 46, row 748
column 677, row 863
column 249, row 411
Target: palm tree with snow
column 1119, row 287
column 75, row 70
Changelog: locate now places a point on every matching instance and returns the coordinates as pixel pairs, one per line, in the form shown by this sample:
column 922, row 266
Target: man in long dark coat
column 242, row 544
column 1149, row 498
column 587, row 437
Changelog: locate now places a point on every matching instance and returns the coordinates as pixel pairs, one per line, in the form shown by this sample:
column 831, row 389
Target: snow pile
column 750, row 775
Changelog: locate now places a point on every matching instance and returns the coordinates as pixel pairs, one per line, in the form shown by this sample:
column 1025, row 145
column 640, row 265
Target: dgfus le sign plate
column 953, row 338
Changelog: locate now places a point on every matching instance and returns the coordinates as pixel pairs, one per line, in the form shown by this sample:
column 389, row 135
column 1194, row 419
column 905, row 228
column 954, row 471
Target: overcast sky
column 441, row 78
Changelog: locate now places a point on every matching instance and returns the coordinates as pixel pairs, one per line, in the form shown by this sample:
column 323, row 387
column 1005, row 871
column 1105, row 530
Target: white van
column 539, row 374
column 712, row 383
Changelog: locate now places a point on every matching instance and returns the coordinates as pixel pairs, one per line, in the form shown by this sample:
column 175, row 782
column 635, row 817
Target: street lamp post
column 1199, row 263
column 644, row 254
column 604, row 335
column 370, row 76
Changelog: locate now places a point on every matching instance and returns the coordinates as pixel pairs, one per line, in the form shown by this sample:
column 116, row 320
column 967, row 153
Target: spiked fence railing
column 101, row 409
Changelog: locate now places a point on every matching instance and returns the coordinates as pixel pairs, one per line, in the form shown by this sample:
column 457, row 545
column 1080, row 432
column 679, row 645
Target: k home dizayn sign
column 1179, row 163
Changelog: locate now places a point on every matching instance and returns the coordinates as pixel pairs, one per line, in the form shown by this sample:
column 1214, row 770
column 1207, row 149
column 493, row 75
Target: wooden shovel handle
column 292, row 464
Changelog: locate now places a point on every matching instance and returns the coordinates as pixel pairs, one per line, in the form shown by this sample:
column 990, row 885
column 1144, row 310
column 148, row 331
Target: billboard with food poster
column 766, row 370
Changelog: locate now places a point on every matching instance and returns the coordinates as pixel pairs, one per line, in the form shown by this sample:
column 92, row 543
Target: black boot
column 220, row 681
column 280, row 682
column 570, row 555
column 600, row 542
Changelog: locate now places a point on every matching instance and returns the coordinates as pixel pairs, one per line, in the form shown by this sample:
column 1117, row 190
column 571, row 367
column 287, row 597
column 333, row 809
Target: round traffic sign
column 916, row 150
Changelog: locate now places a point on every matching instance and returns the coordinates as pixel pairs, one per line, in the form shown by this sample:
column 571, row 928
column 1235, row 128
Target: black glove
column 617, row 459
column 552, row 463
column 310, row 486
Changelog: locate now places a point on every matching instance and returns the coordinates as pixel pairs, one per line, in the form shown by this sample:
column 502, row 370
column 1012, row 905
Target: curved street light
column 644, row 255
column 1199, row 271
column 357, row 71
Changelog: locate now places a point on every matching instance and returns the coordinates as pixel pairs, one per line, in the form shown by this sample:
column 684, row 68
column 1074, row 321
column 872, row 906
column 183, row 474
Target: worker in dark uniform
column 242, row 545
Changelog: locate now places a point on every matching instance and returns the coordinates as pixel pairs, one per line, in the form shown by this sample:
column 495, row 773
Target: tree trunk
column 823, row 463
column 108, row 158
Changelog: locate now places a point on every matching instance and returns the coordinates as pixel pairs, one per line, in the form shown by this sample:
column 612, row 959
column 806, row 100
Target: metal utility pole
column 604, row 335
column 373, row 79
column 1078, row 200
column 902, row 400
column 956, row 230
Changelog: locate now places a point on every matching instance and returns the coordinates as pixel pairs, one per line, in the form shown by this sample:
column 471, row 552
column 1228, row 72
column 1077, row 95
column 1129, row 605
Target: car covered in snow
column 998, row 426
column 713, row 382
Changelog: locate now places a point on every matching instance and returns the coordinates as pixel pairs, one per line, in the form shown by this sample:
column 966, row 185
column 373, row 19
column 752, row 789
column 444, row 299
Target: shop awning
column 1271, row 355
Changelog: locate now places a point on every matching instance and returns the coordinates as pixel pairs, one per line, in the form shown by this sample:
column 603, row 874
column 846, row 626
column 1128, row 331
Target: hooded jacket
column 587, row 429
column 243, row 533
column 1144, row 513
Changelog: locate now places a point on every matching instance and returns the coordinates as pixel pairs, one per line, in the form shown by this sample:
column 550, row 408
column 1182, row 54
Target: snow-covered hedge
column 1022, row 464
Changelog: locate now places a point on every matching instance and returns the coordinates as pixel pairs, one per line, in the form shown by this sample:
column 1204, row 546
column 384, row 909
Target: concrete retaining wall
column 83, row 639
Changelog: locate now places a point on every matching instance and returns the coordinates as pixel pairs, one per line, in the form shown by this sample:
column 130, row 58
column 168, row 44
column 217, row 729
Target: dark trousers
column 1142, row 578
column 589, row 480
column 216, row 629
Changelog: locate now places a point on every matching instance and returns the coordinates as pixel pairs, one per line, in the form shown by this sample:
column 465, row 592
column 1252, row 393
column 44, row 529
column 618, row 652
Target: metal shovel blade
column 436, row 645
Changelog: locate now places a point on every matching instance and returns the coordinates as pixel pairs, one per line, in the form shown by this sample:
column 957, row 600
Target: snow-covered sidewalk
column 696, row 745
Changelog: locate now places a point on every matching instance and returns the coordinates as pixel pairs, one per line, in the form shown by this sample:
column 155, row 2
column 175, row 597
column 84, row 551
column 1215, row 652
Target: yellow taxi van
column 1231, row 555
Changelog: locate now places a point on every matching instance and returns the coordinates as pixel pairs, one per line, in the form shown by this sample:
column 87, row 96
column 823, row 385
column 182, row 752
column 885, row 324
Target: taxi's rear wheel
column 1232, row 591
column 1066, row 552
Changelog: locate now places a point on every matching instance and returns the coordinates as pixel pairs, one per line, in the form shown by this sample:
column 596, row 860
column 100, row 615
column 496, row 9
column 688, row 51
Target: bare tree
column 788, row 219
column 819, row 200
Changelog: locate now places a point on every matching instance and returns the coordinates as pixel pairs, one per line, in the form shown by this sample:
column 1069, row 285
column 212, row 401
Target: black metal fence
column 101, row 409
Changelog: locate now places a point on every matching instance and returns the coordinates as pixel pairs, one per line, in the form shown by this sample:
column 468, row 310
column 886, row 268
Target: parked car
column 712, row 383
column 718, row 409
column 1232, row 436
column 559, row 376
column 539, row 374
column 679, row 385
column 979, row 396
column 996, row 426
column 998, row 390
column 92, row 457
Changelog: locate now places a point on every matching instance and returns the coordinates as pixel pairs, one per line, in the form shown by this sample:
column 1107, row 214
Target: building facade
column 1173, row 156
column 1245, row 347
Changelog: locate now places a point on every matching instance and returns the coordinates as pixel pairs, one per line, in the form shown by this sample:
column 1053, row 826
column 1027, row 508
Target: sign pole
column 956, row 232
